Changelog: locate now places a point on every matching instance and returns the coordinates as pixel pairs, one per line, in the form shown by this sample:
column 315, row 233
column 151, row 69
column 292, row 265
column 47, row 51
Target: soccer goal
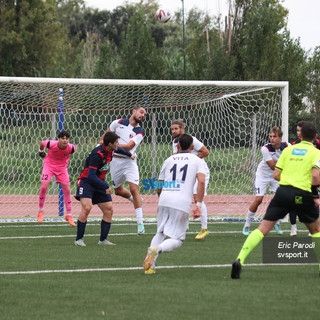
column 232, row 119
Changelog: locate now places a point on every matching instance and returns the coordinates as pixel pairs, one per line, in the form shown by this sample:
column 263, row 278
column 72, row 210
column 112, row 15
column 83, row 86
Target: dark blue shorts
column 86, row 190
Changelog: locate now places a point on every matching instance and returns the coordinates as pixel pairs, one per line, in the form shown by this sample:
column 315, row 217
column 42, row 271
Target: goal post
column 232, row 118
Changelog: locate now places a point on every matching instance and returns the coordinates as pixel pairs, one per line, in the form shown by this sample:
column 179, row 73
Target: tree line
column 65, row 38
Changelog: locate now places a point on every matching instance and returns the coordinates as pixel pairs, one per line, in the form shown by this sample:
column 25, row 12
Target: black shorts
column 289, row 199
column 86, row 190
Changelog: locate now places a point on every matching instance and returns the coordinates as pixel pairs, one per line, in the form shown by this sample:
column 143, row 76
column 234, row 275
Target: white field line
column 118, row 234
column 158, row 267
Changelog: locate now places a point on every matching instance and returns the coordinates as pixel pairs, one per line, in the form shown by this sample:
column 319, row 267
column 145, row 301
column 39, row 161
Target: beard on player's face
column 137, row 120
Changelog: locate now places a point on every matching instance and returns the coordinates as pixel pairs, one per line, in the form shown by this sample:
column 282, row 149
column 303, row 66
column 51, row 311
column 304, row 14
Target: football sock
column 278, row 222
column 139, row 215
column 157, row 239
column 67, row 197
column 251, row 242
column 204, row 216
column 42, row 195
column 169, row 245
column 293, row 217
column 249, row 218
column 105, row 228
column 81, row 228
column 130, row 198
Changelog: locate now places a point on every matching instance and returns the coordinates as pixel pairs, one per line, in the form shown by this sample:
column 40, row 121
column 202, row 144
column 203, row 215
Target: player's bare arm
column 128, row 146
column 276, row 174
column 271, row 164
column 196, row 211
column 203, row 152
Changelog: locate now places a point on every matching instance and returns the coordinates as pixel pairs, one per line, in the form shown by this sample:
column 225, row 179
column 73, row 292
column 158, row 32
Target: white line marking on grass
column 118, row 234
column 158, row 267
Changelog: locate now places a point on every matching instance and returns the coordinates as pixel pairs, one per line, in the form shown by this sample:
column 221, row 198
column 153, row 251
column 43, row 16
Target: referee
column 297, row 171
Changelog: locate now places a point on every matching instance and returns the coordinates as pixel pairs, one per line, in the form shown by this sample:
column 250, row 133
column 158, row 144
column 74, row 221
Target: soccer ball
column 163, row 15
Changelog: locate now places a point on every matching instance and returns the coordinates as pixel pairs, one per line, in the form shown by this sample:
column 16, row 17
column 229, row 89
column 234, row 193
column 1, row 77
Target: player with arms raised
column 178, row 176
column 200, row 150
column 122, row 169
column 55, row 163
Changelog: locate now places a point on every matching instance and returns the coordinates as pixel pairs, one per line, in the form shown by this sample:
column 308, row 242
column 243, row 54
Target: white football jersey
column 179, row 173
column 127, row 132
column 197, row 145
column 269, row 153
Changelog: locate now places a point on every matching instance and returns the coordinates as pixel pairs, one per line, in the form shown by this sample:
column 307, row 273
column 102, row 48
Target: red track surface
column 17, row 206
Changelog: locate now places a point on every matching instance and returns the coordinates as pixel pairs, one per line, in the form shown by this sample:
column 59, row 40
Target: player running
column 178, row 175
column 270, row 153
column 199, row 149
column 122, row 169
column 55, row 163
column 92, row 189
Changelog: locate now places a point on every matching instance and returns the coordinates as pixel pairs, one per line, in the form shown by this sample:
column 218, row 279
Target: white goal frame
column 229, row 202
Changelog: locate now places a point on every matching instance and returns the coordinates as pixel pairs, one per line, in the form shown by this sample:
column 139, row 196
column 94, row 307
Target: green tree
column 32, row 39
column 139, row 56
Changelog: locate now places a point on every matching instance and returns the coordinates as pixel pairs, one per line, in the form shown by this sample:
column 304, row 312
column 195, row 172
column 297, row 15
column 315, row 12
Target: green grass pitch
column 193, row 282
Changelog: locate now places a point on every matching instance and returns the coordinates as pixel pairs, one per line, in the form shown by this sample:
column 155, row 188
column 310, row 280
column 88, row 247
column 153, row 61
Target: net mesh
column 233, row 122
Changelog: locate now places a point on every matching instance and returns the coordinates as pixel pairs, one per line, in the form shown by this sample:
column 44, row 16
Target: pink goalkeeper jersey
column 57, row 157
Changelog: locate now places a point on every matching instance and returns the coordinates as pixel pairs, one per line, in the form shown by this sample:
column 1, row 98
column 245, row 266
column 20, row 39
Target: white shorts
column 122, row 170
column 172, row 222
column 206, row 181
column 262, row 184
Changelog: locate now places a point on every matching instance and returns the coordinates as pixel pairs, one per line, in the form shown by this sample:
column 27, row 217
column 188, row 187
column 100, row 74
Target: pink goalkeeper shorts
column 61, row 174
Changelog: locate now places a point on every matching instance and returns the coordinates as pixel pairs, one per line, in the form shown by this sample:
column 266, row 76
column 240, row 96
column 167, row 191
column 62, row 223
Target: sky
column 303, row 20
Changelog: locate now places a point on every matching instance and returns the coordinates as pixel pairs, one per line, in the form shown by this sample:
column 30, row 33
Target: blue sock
column 81, row 227
column 105, row 228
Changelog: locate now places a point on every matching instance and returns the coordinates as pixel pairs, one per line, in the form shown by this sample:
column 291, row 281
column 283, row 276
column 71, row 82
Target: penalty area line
column 158, row 267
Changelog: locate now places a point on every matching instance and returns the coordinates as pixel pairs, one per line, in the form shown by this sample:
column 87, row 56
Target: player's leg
column 107, row 210
column 293, row 222
column 277, row 209
column 42, row 198
column 204, row 212
column 46, row 177
column 172, row 223
column 251, row 213
column 67, row 200
column 137, row 203
column 86, row 206
column 274, row 184
column 261, row 185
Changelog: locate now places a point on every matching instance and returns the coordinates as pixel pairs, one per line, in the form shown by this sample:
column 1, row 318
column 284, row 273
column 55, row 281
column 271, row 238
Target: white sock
column 130, row 198
column 278, row 222
column 139, row 215
column 249, row 218
column 169, row 245
column 204, row 216
column 157, row 239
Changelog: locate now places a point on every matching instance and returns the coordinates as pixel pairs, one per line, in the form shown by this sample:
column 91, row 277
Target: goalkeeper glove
column 42, row 154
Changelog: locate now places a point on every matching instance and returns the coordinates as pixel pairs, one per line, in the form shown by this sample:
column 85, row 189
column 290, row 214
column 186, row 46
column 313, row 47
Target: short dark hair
column 277, row 131
column 185, row 141
column 109, row 137
column 179, row 122
column 300, row 123
column 63, row 133
column 308, row 131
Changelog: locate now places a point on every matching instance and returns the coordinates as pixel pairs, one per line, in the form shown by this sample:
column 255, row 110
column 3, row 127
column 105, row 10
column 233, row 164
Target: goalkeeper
column 55, row 164
column 297, row 171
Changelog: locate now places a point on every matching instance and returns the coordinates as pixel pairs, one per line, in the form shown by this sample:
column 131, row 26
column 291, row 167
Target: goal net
column 232, row 119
